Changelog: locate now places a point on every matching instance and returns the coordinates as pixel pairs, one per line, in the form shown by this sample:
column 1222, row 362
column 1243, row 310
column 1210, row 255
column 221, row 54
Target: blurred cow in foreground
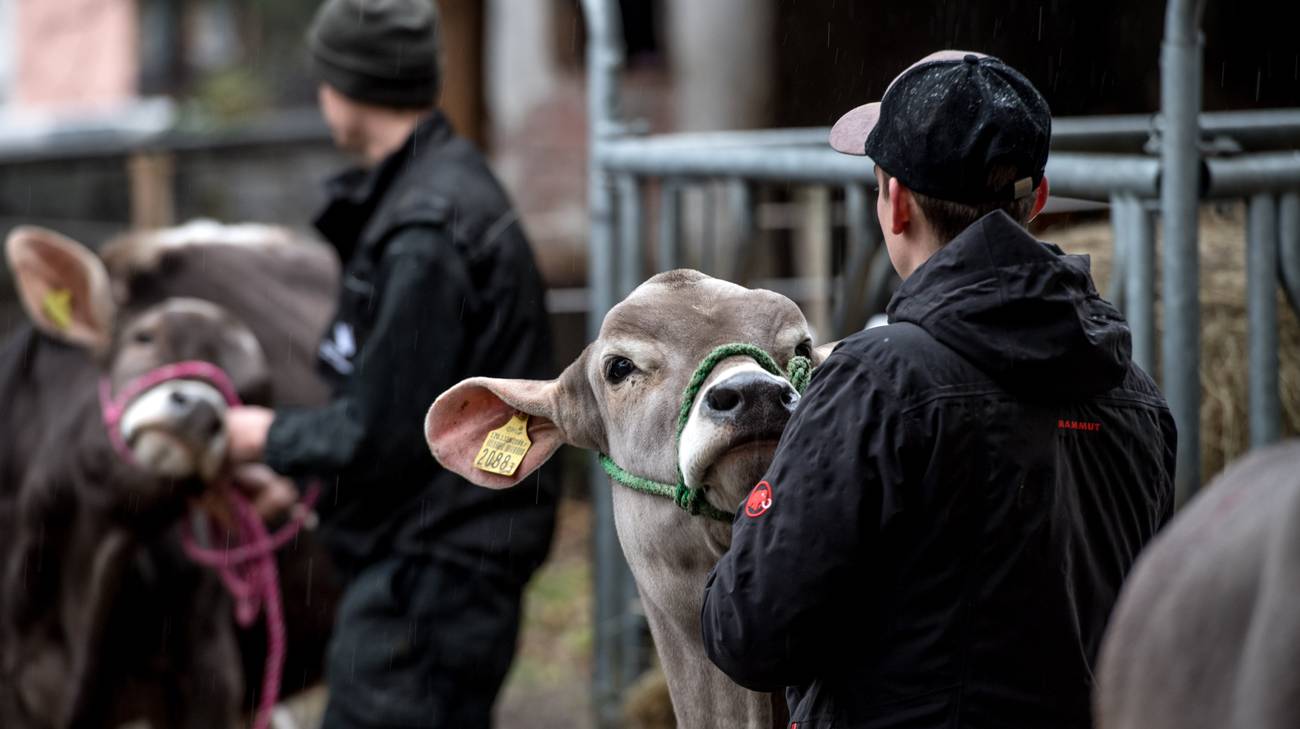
column 1207, row 629
column 102, row 618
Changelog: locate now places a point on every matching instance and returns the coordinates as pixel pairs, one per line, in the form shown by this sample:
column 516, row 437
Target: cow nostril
column 723, row 399
column 788, row 397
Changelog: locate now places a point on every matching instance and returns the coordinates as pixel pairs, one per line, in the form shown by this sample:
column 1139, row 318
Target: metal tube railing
column 670, row 227
column 1180, row 157
column 732, row 163
column 1261, row 307
column 1140, row 276
column 613, row 581
column 1288, row 227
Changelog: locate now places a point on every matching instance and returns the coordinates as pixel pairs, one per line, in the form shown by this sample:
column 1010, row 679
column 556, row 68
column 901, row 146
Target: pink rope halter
column 246, row 565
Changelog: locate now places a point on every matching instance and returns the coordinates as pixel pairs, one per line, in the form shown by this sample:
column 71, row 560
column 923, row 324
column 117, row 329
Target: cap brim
column 849, row 135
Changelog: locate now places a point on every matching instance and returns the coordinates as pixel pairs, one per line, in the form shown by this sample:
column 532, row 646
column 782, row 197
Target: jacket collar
column 356, row 193
column 1021, row 310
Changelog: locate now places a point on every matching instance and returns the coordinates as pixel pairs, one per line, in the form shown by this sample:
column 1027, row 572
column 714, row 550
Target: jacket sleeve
column 374, row 426
column 777, row 600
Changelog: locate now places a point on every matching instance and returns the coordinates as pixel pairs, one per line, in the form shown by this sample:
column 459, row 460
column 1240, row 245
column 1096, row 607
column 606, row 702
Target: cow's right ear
column 559, row 411
column 820, row 353
column 62, row 285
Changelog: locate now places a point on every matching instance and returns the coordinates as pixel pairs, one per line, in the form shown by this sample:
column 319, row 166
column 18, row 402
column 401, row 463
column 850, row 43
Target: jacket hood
column 1021, row 310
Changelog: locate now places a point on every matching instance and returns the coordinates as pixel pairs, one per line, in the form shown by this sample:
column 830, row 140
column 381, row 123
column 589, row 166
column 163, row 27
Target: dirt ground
column 549, row 687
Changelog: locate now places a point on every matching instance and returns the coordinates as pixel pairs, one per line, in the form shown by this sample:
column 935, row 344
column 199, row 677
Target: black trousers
column 421, row 643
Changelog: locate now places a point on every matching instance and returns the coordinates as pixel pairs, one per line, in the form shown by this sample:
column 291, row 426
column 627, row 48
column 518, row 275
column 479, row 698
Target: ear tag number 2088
column 504, row 448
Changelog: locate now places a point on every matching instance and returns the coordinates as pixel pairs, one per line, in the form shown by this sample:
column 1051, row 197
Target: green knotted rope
column 692, row 499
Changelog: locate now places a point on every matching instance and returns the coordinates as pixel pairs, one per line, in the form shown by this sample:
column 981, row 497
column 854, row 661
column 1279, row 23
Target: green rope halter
column 692, row 499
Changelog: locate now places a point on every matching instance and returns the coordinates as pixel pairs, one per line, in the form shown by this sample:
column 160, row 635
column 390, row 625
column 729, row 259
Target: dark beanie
column 382, row 52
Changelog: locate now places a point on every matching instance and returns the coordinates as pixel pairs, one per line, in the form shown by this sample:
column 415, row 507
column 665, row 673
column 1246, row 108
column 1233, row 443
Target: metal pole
column 1140, row 295
column 709, row 237
column 1261, row 307
column 1288, row 228
column 1121, row 211
column 630, row 261
column 604, row 56
column 670, row 226
column 744, row 228
column 1180, row 158
column 863, row 237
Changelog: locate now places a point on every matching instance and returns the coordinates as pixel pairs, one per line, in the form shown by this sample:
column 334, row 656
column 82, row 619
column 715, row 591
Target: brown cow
column 101, row 617
column 1206, row 632
column 622, row 398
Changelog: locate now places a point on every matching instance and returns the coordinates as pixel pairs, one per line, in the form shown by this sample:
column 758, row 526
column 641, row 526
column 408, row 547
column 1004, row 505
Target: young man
column 438, row 284
column 960, row 493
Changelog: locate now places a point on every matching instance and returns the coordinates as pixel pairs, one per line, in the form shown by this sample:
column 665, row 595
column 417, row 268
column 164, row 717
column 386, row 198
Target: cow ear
column 62, row 285
column 559, row 411
column 822, row 352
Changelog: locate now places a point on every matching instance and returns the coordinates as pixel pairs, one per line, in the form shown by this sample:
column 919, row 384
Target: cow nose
column 750, row 395
column 199, row 418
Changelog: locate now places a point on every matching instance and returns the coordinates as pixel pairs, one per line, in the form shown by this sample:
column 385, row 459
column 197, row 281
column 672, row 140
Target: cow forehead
column 697, row 312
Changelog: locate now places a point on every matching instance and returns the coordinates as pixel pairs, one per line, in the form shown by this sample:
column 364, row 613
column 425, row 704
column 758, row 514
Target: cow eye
column 804, row 349
column 617, row 369
column 142, row 336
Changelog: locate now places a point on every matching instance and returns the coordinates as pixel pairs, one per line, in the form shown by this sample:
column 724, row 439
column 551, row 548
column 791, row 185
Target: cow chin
column 176, row 430
column 162, row 453
column 735, row 471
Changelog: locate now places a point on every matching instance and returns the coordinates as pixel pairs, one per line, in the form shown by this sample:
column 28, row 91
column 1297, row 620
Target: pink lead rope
column 246, row 565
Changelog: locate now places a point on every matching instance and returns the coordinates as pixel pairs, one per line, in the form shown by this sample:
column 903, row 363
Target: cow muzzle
column 171, row 421
column 177, row 429
column 734, row 427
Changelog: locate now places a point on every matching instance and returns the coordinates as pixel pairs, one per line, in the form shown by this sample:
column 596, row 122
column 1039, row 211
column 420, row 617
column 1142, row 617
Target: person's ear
column 900, row 206
column 1040, row 198
column 62, row 285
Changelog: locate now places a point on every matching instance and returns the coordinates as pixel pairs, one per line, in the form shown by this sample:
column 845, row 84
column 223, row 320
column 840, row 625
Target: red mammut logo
column 1078, row 425
column 759, row 501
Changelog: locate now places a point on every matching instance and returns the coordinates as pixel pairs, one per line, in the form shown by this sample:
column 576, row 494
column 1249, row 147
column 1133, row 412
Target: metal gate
column 1139, row 165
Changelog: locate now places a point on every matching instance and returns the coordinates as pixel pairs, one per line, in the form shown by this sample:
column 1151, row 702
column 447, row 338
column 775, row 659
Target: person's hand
column 270, row 494
column 246, row 426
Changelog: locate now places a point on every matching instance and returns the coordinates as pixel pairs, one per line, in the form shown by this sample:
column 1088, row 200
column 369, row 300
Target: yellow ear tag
column 57, row 305
column 504, row 448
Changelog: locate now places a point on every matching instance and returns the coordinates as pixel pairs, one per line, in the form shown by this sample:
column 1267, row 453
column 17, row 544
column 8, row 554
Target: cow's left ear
column 63, row 286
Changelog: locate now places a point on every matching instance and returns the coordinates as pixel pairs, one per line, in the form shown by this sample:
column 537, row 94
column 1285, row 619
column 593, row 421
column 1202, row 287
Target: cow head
column 622, row 396
column 174, row 429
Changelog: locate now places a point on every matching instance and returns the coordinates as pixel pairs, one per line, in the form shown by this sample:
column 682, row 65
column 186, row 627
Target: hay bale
column 1225, row 431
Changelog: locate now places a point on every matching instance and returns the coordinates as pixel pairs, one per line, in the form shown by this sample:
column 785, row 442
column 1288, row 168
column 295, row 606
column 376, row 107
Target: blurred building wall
column 75, row 54
column 721, row 55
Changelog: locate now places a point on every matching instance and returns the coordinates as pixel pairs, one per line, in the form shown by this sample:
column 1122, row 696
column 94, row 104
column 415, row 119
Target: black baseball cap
column 945, row 120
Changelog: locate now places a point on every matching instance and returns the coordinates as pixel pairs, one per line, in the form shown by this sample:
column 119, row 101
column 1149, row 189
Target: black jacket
column 953, row 505
column 438, row 284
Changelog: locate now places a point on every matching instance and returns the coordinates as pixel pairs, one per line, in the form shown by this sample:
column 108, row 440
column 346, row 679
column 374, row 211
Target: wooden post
column 153, row 203
column 462, row 96
column 813, row 257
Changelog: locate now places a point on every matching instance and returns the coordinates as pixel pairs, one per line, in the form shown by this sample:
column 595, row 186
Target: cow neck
column 689, row 498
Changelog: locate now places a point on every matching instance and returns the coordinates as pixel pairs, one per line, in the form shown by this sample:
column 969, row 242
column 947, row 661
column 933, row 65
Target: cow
column 102, row 619
column 1206, row 632
column 621, row 398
